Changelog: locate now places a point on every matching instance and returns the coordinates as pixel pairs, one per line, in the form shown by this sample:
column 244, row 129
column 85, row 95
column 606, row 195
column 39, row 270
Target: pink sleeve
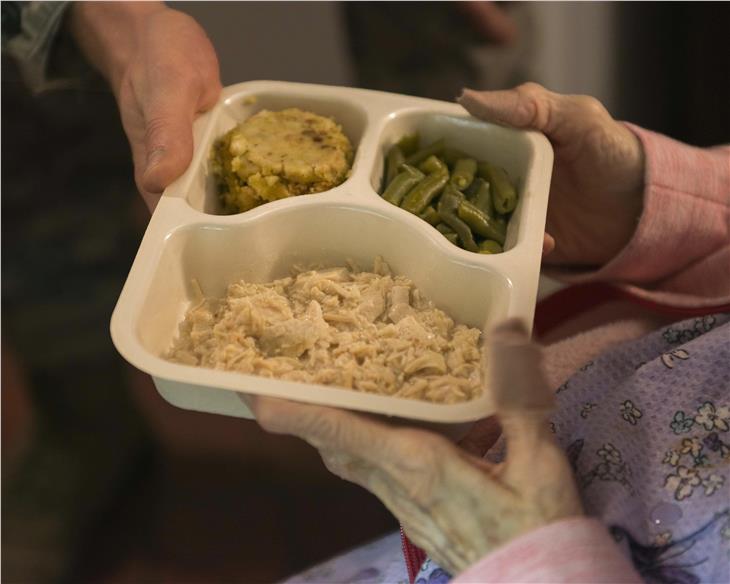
column 576, row 550
column 680, row 251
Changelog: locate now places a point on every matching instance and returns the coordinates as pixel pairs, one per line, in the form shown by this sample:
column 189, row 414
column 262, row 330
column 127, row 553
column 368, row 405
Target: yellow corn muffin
column 273, row 155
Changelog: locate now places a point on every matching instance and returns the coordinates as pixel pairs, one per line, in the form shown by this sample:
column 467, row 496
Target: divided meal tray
column 189, row 239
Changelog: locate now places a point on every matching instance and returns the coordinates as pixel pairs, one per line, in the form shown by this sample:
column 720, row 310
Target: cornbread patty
column 273, row 155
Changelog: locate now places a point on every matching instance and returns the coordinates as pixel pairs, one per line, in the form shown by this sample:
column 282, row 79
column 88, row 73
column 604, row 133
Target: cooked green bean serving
column 469, row 201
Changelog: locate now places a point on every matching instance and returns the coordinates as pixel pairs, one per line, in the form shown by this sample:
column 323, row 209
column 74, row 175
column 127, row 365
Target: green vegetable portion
column 469, row 201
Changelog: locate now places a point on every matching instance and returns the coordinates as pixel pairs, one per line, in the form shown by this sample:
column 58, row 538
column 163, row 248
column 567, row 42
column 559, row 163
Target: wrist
column 108, row 33
column 630, row 204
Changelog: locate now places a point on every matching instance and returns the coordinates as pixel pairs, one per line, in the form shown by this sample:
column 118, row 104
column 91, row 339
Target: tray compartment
column 202, row 195
column 265, row 249
column 505, row 147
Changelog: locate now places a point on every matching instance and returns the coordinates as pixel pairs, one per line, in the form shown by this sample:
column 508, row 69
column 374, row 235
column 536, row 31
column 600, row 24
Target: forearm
column 107, row 33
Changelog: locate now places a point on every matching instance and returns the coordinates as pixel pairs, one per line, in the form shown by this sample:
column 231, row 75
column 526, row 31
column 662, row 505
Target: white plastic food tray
column 188, row 239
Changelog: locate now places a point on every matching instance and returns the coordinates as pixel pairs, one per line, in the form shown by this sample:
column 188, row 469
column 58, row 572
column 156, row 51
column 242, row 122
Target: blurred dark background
column 103, row 481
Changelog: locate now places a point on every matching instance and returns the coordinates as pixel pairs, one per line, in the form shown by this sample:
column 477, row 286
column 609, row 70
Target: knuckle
column 337, row 464
column 534, row 101
column 590, row 105
column 422, row 451
column 531, row 88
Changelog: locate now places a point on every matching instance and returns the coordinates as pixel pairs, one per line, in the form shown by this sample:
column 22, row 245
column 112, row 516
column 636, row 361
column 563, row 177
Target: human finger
column 322, row 427
column 360, row 449
column 527, row 106
column 530, row 106
column 521, row 395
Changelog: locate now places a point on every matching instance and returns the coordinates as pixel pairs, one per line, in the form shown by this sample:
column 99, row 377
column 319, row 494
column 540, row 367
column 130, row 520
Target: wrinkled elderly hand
column 163, row 71
column 598, row 175
column 457, row 507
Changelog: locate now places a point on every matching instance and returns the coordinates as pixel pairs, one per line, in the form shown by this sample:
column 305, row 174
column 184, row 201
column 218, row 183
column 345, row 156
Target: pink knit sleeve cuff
column 680, row 251
column 578, row 550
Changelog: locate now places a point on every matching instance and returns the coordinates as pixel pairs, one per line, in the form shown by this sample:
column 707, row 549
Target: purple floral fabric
column 646, row 428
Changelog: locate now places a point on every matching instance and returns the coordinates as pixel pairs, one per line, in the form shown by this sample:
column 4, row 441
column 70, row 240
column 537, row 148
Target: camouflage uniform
column 68, row 239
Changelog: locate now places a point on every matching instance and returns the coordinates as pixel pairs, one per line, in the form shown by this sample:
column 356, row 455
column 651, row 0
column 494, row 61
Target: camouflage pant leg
column 68, row 239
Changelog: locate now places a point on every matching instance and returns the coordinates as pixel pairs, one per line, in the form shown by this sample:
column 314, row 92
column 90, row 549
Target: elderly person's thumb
column 529, row 106
column 522, row 398
column 535, row 467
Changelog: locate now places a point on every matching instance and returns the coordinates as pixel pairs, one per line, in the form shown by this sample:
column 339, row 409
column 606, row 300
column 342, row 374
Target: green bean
column 448, row 206
column 433, row 164
column 420, row 155
column 448, row 233
column 463, row 173
column 451, row 155
column 430, row 215
column 452, row 237
column 504, row 195
column 404, row 181
column 471, row 191
column 409, row 143
column 489, row 246
column 480, row 222
column 482, row 197
column 393, row 161
column 421, row 195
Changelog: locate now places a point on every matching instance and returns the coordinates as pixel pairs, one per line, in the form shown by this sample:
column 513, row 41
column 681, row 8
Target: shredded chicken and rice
column 369, row 331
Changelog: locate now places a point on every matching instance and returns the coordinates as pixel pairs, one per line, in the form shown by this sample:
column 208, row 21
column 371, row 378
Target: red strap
column 413, row 555
column 574, row 300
